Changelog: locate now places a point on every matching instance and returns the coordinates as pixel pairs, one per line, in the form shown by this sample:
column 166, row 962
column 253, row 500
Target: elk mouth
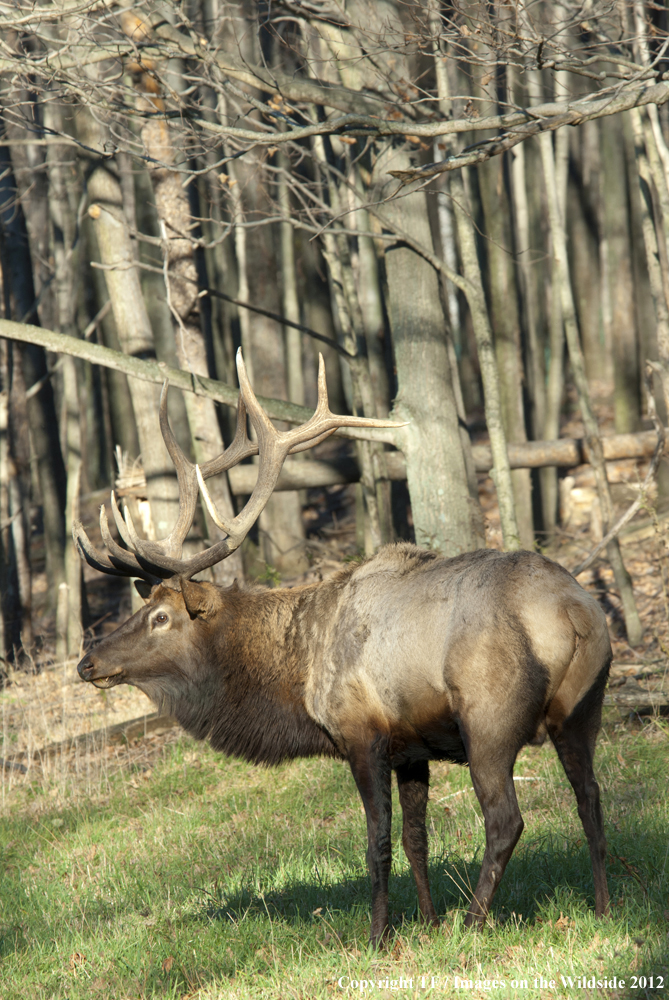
column 107, row 682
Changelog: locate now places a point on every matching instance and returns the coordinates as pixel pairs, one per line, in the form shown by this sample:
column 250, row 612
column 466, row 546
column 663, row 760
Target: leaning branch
column 158, row 371
column 566, row 453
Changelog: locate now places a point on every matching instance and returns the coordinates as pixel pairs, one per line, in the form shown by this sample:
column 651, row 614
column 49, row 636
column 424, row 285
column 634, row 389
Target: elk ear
column 198, row 599
column 143, row 589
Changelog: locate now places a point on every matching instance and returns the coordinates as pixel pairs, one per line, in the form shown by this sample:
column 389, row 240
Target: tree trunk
column 616, row 222
column 356, row 378
column 20, row 297
column 132, row 325
column 473, row 290
column 506, row 329
column 174, row 213
column 654, row 227
column 281, row 529
column 555, row 377
column 623, row 581
column 63, row 201
column 18, row 481
column 445, row 515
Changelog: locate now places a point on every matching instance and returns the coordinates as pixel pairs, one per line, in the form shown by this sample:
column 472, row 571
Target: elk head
column 176, row 605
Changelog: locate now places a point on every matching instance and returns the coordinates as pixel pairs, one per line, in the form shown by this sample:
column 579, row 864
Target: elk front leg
column 495, row 791
column 413, row 782
column 370, row 765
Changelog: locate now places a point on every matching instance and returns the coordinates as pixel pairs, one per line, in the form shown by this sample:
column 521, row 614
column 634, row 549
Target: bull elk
column 406, row 658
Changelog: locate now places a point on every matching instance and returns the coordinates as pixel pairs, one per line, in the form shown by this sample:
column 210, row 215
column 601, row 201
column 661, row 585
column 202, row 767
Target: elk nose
column 85, row 667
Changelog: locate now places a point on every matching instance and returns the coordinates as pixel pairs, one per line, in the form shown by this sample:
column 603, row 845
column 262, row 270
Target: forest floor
column 151, row 867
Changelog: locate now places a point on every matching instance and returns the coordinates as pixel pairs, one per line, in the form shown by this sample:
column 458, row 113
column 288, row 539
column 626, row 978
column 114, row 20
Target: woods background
column 464, row 207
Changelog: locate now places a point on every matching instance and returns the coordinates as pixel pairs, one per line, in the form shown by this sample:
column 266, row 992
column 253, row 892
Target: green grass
column 208, row 877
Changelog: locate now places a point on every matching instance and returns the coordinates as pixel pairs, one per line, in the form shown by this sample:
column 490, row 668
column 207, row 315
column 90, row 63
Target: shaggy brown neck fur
column 249, row 698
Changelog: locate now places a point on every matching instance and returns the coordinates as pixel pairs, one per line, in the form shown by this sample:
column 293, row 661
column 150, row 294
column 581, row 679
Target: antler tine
column 185, row 470
column 240, row 447
column 142, row 558
column 273, row 446
column 262, row 425
column 323, row 403
column 117, row 554
column 129, row 529
column 272, row 452
column 127, row 562
column 120, row 523
column 155, row 561
column 149, row 554
column 182, row 465
column 98, row 560
column 211, row 506
column 161, row 554
column 324, row 422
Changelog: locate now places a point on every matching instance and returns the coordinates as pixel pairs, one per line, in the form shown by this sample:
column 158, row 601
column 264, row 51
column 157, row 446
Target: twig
column 280, row 319
column 463, row 791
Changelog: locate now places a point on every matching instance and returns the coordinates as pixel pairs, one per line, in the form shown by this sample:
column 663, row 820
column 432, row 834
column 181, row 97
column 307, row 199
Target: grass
column 191, row 875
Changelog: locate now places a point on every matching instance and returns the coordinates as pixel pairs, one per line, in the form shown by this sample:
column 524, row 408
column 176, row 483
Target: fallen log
column 310, row 473
column 122, row 732
column 568, row 452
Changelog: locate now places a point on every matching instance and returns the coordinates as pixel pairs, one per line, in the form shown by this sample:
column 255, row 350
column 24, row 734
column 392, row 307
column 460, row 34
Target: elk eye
column 160, row 619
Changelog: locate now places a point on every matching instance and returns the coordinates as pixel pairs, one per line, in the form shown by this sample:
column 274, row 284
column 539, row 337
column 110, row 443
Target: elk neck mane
column 249, row 701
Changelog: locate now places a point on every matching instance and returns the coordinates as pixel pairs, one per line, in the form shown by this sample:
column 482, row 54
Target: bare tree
column 398, row 156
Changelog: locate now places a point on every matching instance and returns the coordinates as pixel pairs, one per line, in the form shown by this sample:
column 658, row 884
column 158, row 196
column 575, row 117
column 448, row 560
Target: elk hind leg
column 371, row 769
column 574, row 740
column 413, row 782
column 492, row 777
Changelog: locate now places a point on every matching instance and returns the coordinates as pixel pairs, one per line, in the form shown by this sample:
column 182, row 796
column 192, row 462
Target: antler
column 274, row 446
column 161, row 560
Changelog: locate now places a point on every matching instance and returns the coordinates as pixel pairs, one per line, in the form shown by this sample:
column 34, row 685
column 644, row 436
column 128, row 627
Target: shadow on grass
column 546, row 877
column 541, row 881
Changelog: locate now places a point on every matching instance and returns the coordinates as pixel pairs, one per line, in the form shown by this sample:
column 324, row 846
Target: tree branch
column 158, row 372
column 547, row 118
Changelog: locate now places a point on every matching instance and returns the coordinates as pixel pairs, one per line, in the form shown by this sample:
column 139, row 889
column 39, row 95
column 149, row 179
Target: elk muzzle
column 94, row 670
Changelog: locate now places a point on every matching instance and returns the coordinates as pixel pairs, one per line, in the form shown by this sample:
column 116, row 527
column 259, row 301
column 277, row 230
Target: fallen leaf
column 168, row 963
